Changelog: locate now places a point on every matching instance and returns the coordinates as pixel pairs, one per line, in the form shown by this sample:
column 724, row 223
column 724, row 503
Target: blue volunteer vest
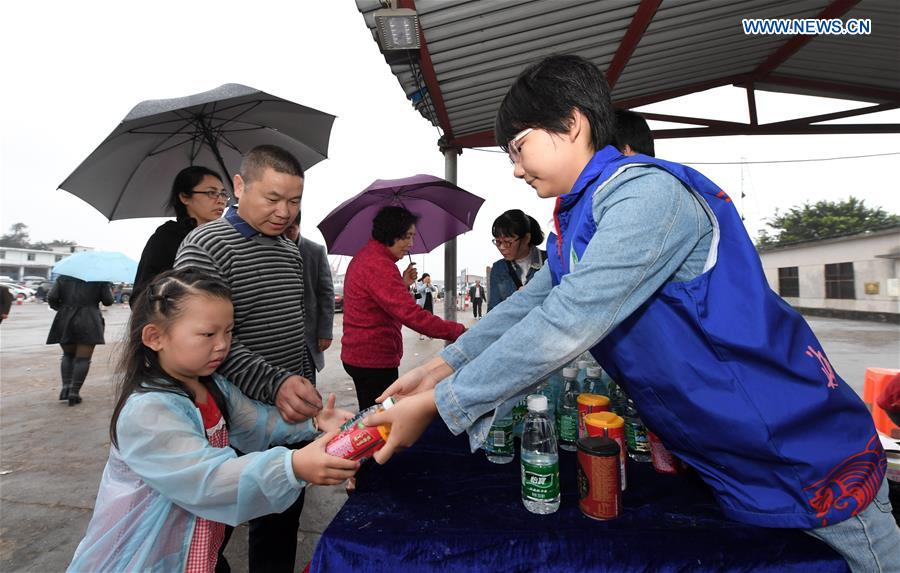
column 729, row 376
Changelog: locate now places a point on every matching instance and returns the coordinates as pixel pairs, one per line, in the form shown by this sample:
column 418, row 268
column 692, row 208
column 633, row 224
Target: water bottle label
column 540, row 482
column 568, row 427
column 636, row 437
column 500, row 440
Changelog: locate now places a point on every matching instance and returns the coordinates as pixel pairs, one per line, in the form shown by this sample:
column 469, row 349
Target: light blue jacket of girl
column 165, row 473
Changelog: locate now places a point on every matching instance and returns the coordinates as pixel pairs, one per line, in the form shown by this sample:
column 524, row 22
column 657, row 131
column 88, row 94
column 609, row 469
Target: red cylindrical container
column 358, row 442
column 663, row 460
column 607, row 424
column 588, row 404
column 599, row 494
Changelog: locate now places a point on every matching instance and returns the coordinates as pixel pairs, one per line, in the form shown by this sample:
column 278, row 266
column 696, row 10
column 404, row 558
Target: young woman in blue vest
column 651, row 269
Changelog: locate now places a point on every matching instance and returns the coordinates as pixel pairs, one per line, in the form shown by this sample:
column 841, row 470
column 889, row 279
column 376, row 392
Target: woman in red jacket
column 377, row 304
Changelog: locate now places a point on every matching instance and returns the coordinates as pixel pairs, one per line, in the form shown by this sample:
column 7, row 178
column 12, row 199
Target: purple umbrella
column 444, row 211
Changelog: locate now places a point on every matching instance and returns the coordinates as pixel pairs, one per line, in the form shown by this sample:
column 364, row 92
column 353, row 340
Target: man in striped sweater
column 268, row 359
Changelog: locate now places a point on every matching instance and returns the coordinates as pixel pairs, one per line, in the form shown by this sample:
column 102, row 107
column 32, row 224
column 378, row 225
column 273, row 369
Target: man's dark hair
column 298, row 217
column 276, row 158
column 392, row 223
column 184, row 183
column 424, row 276
column 632, row 130
column 545, row 95
column 515, row 223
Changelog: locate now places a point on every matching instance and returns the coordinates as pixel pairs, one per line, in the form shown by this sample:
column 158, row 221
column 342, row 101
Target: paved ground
column 51, row 455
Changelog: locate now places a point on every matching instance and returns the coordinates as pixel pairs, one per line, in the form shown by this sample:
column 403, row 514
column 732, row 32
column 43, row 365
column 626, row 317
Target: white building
column 19, row 263
column 854, row 276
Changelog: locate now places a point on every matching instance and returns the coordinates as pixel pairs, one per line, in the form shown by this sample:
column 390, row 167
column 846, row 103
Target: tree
column 17, row 236
column 824, row 219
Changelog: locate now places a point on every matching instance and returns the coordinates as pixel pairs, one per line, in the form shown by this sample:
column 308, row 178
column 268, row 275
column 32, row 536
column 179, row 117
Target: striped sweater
column 266, row 279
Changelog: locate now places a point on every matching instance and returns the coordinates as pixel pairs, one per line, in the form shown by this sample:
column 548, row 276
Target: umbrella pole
column 211, row 142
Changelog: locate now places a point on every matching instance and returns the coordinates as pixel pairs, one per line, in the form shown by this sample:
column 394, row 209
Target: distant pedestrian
column 173, row 481
column 198, row 196
column 425, row 294
column 476, row 295
column 6, row 299
column 77, row 328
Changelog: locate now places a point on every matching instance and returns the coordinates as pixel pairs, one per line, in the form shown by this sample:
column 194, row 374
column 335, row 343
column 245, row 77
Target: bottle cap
column 582, row 364
column 569, row 372
column 598, row 446
column 594, row 372
column 593, row 400
column 537, row 403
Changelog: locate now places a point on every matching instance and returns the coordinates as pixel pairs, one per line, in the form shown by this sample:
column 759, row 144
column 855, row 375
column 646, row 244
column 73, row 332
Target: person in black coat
column 198, row 197
column 6, row 299
column 77, row 328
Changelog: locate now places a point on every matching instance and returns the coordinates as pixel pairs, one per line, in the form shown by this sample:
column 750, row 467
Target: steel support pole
column 450, row 155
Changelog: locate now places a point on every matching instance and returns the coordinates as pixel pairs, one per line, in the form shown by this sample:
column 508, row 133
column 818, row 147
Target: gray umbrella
column 130, row 174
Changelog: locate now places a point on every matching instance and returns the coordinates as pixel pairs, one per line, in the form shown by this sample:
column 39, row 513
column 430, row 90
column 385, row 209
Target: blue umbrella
column 98, row 266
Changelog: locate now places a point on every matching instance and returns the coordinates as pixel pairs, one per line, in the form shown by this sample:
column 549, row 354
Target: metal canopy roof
column 472, row 50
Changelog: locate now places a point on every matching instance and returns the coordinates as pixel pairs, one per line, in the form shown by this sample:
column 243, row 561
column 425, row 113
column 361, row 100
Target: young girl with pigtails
column 172, row 482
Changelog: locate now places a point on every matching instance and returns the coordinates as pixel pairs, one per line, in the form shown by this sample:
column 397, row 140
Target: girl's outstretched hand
column 314, row 466
column 331, row 418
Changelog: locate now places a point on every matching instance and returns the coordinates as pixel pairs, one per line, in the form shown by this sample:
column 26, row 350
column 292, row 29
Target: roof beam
column 774, row 129
column 849, row 91
column 834, row 10
column 639, row 23
column 751, row 105
column 838, row 114
column 679, row 91
column 481, row 139
column 689, row 120
column 428, row 73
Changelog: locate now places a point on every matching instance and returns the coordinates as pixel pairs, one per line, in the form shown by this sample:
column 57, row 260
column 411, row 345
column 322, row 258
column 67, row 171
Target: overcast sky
column 73, row 70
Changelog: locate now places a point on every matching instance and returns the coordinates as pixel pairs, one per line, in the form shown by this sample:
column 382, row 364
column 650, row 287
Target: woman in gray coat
column 77, row 328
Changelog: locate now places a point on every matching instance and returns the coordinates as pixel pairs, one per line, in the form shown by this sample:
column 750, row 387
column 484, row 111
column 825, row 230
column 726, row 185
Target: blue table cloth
column 436, row 507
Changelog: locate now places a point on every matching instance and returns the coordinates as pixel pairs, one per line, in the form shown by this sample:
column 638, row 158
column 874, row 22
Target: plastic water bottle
column 518, row 417
column 567, row 413
column 636, row 434
column 499, row 446
column 540, row 460
column 554, row 383
column 617, row 397
column 547, row 388
column 594, row 383
column 582, row 364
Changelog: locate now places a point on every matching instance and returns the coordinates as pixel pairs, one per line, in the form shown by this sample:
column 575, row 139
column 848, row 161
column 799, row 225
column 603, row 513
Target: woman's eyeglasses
column 513, row 147
column 214, row 195
column 505, row 243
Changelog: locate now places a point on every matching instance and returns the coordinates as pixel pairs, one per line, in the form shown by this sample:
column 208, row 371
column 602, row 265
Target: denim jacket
column 502, row 284
column 540, row 328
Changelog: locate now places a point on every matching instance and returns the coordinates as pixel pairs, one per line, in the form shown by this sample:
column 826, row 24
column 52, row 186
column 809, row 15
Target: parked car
column 16, row 290
column 338, row 299
column 126, row 293
column 33, row 281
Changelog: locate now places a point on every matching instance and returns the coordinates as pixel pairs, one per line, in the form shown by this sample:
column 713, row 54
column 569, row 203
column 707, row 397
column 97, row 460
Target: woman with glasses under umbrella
column 516, row 236
column 198, row 197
